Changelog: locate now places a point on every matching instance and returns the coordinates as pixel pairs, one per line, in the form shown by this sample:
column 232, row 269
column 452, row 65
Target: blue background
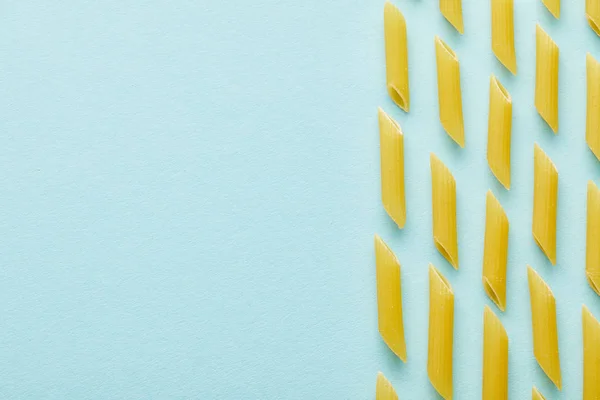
column 189, row 192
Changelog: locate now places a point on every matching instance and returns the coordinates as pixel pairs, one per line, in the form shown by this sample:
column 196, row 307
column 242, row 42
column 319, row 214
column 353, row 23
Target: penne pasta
column 546, row 78
column 384, row 389
column 553, row 6
column 503, row 33
column 591, row 355
column 545, row 203
column 495, row 358
column 499, row 132
column 443, row 204
column 389, row 298
column 592, row 14
column 536, row 395
column 592, row 125
column 391, row 143
column 441, row 330
column 452, row 11
column 543, row 320
column 592, row 251
column 449, row 93
column 495, row 251
column 396, row 56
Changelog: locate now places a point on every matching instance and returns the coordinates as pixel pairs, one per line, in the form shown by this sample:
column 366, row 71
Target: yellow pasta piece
column 495, row 251
column 384, row 389
column 443, row 204
column 553, row 6
column 546, row 78
column 389, row 298
column 592, row 251
column 449, row 93
column 545, row 202
column 503, row 33
column 536, row 395
column 592, row 13
column 591, row 355
column 495, row 358
column 396, row 56
column 499, row 132
column 543, row 321
column 452, row 11
column 391, row 143
column 441, row 332
column 592, row 125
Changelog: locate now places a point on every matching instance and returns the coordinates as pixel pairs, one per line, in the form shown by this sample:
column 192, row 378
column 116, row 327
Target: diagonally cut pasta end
column 546, row 251
column 445, row 253
column 439, row 42
column 593, row 24
column 398, row 98
column 594, row 282
column 489, row 289
column 536, row 395
column 435, row 274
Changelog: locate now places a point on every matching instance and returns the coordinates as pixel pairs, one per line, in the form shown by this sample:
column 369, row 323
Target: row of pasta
column 500, row 103
column 495, row 338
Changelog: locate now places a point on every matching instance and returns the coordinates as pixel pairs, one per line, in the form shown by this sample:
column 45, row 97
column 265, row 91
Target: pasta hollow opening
column 592, row 283
column 492, row 293
column 443, row 279
column 444, row 253
column 593, row 24
column 397, row 97
column 543, row 248
column 504, row 92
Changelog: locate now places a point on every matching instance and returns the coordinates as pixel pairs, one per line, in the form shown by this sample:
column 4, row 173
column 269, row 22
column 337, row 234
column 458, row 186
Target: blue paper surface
column 190, row 191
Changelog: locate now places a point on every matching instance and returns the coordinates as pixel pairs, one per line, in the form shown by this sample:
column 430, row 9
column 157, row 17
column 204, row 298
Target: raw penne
column 545, row 203
column 391, row 144
column 495, row 251
column 503, row 33
column 591, row 355
column 443, row 204
column 396, row 56
column 546, row 78
column 452, row 11
column 536, row 395
column 495, row 358
column 449, row 93
column 592, row 13
column 553, row 6
column 499, row 132
column 543, row 321
column 592, row 125
column 441, row 331
column 389, row 298
column 384, row 389
column 592, row 251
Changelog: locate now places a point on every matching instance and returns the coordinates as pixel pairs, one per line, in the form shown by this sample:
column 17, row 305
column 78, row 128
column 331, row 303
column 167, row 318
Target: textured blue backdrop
column 190, row 191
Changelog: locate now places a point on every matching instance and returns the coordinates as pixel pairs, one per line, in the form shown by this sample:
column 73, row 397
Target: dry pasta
column 391, row 143
column 543, row 320
column 389, row 298
column 441, row 330
column 592, row 251
column 449, row 93
column 545, row 202
column 495, row 358
column 495, row 251
column 536, row 395
column 396, row 56
column 592, row 125
column 384, row 389
column 452, row 11
column 546, row 78
column 553, row 6
column 592, row 14
column 591, row 355
column 499, row 132
column 443, row 204
column 503, row 33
